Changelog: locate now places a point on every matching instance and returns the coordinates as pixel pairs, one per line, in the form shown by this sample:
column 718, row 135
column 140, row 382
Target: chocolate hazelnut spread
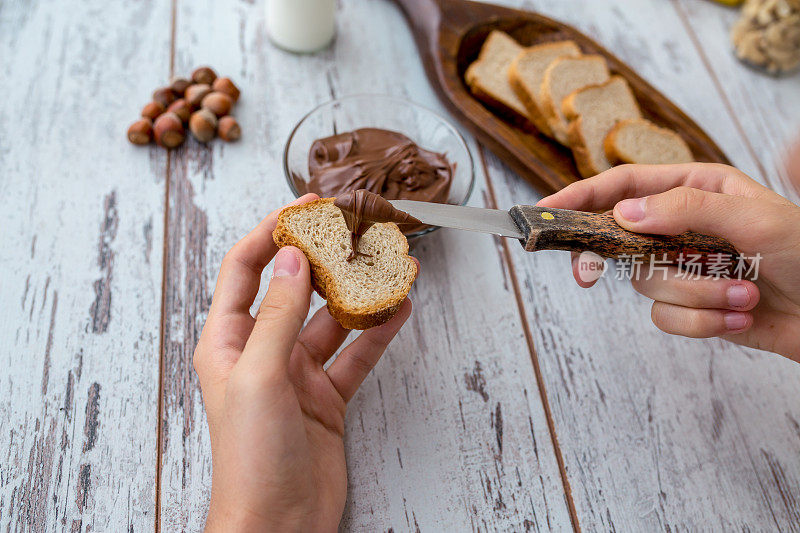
column 373, row 164
column 361, row 209
column 381, row 161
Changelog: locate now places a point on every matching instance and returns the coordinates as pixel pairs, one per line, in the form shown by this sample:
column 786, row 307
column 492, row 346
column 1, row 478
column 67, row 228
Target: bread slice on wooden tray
column 361, row 293
column 562, row 77
column 592, row 112
column 487, row 76
column 640, row 141
column 526, row 75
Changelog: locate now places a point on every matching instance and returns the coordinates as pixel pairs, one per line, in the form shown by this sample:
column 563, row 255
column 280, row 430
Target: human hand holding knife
column 699, row 208
column 657, row 202
column 541, row 228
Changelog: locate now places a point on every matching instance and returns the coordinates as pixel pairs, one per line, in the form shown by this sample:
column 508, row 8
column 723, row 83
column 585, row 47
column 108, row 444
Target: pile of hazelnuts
column 203, row 103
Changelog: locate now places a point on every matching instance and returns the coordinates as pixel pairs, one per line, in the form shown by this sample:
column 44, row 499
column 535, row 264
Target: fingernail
column 632, row 209
column 287, row 264
column 738, row 296
column 735, row 321
column 591, row 267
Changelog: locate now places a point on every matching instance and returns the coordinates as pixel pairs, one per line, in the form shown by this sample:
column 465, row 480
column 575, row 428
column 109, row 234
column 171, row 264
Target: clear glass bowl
column 427, row 128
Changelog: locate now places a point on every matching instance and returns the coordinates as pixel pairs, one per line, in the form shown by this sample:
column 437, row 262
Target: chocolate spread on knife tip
column 374, row 164
column 361, row 209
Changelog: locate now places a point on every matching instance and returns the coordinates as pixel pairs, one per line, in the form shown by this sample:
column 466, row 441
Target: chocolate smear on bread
column 362, row 208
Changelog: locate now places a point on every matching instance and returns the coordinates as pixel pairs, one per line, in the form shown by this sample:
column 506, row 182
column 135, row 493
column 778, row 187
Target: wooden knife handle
column 577, row 231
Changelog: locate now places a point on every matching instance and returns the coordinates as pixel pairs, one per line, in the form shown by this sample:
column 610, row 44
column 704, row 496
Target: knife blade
column 494, row 221
column 540, row 228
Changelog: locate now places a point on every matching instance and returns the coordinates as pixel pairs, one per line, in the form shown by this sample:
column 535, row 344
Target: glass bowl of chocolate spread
column 387, row 145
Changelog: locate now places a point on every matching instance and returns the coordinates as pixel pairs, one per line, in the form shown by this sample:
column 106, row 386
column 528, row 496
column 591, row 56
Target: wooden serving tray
column 449, row 35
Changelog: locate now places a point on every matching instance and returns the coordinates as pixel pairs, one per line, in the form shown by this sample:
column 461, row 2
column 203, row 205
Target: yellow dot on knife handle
column 547, row 216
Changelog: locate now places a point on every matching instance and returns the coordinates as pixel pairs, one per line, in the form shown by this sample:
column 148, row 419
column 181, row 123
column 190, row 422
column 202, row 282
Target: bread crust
column 474, row 82
column 524, row 93
column 580, row 153
column 575, row 139
column 577, row 142
column 324, row 282
column 549, row 109
column 612, row 149
column 610, row 145
column 534, row 113
column 550, row 106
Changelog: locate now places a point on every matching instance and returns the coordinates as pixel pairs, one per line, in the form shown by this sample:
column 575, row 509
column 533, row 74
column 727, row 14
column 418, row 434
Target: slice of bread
column 361, row 293
column 640, row 141
column 487, row 76
column 563, row 76
column 526, row 75
column 592, row 112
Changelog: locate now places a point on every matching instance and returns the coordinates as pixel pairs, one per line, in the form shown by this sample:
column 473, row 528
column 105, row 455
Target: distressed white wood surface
column 660, row 432
column 448, row 433
column 80, row 265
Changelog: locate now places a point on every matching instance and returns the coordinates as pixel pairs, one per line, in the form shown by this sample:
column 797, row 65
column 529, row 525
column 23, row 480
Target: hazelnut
column 204, row 75
column 164, row 96
column 225, row 85
column 218, row 103
column 229, row 129
column 152, row 110
column 141, row 131
column 180, row 108
column 179, row 85
column 168, row 130
column 196, row 93
column 203, row 125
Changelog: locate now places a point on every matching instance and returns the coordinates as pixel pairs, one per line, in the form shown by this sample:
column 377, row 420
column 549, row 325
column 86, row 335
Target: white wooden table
column 513, row 400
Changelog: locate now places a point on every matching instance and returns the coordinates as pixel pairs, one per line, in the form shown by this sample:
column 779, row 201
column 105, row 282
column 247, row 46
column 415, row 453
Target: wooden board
column 449, row 45
column 80, row 265
column 657, row 432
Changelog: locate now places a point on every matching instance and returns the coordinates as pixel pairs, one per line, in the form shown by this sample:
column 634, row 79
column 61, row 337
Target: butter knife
column 540, row 228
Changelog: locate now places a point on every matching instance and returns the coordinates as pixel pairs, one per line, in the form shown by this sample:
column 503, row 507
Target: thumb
column 742, row 221
column 281, row 314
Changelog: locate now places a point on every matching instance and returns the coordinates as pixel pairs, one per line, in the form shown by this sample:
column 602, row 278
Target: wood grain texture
column 657, row 432
column 578, row 231
column 448, row 433
column 80, row 266
column 450, row 34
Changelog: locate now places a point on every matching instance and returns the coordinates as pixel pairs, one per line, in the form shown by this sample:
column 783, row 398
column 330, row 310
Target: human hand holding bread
column 717, row 200
column 275, row 417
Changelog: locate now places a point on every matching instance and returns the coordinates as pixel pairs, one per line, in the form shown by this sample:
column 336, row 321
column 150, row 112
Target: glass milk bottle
column 301, row 25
